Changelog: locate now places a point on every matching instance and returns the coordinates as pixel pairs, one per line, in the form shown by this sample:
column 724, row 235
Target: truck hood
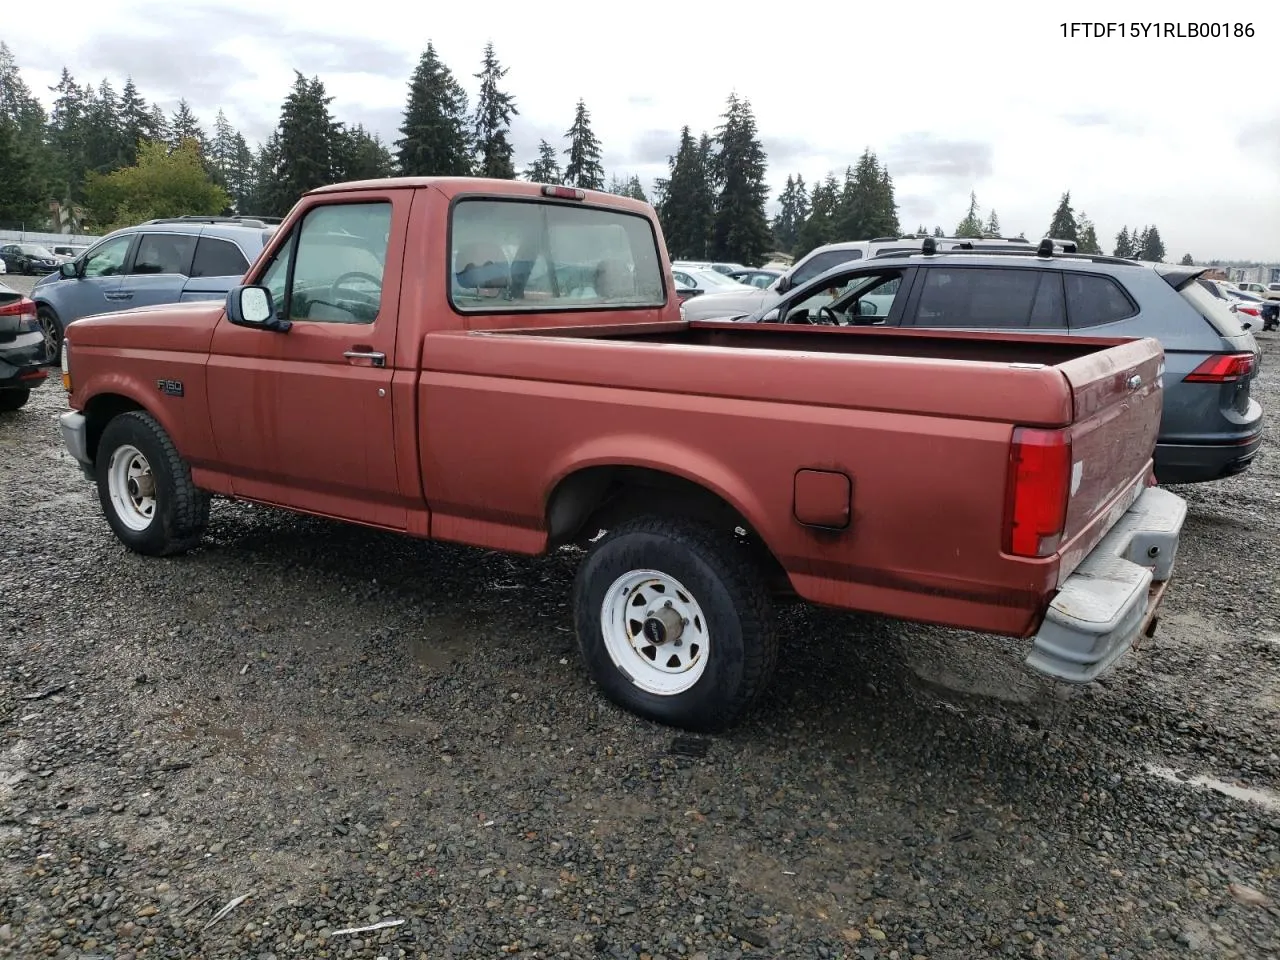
column 173, row 326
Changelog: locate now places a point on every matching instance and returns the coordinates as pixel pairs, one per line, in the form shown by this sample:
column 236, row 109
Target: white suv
column 734, row 303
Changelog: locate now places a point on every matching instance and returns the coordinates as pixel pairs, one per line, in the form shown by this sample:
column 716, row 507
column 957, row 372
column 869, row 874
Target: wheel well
column 600, row 498
column 100, row 411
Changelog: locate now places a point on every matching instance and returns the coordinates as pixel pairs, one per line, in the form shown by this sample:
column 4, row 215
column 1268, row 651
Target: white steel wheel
column 655, row 632
column 132, row 487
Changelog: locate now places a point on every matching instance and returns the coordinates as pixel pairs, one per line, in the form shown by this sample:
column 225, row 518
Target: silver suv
column 715, row 305
column 173, row 260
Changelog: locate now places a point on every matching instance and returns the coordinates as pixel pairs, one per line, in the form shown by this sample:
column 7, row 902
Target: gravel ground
column 343, row 727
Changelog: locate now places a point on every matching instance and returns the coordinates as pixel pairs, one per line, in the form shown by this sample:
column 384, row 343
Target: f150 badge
column 170, row 388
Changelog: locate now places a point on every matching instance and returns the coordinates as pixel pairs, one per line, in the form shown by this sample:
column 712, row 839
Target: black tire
column 726, row 582
column 181, row 510
column 51, row 327
column 14, row 399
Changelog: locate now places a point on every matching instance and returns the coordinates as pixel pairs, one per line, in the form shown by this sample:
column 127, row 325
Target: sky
column 952, row 97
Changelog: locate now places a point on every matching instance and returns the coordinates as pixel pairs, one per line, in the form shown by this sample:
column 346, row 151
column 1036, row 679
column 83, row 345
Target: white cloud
column 983, row 96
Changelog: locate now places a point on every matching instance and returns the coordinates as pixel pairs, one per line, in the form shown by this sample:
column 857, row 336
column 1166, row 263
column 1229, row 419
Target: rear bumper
column 1111, row 598
column 1204, row 462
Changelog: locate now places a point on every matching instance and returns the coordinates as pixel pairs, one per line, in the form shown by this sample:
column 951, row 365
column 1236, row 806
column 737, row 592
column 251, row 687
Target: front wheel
column 674, row 623
column 145, row 488
column 51, row 330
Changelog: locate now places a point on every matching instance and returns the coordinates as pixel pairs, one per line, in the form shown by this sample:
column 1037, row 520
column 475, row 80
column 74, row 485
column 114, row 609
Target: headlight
column 66, row 365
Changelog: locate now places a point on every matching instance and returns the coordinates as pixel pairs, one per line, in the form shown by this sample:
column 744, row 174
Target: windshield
column 32, row 250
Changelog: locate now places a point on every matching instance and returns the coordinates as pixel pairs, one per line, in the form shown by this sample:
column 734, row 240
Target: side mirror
column 773, row 316
column 253, row 306
column 69, row 271
column 866, row 309
column 783, row 285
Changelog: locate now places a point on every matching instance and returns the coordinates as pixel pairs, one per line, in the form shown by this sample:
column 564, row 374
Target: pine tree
column 1187, row 260
column 866, row 208
column 741, row 229
column 185, row 126
column 435, row 137
column 222, row 151
column 992, row 229
column 937, row 232
column 820, row 225
column 971, row 224
column 135, row 122
column 635, row 190
column 67, row 136
column 583, row 169
column 687, row 208
column 786, row 225
column 1150, row 247
column 104, row 142
column 360, row 155
column 492, row 121
column 1087, row 241
column 546, row 169
column 240, row 176
column 1124, row 243
column 22, row 188
column 266, row 197
column 306, row 140
column 1063, row 225
column 17, row 101
column 159, row 124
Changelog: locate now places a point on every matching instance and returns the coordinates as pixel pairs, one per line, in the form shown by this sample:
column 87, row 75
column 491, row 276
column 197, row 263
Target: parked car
column 1211, row 427
column 29, row 258
column 22, row 366
column 757, row 277
column 737, row 302
column 996, row 482
column 703, row 281
column 1253, row 311
column 174, row 260
column 685, row 288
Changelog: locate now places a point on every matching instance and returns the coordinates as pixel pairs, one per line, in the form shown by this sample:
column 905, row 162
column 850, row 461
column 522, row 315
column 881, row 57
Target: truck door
column 303, row 418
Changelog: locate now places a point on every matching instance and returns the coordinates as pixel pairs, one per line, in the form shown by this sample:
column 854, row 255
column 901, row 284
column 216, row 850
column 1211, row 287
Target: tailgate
column 1118, row 395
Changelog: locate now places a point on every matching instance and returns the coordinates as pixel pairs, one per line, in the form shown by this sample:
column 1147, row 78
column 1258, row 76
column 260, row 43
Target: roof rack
column 239, row 221
column 1027, row 252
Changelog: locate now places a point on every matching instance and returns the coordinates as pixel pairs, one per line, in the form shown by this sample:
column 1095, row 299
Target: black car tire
column 180, row 510
column 734, row 623
column 51, row 327
column 14, row 399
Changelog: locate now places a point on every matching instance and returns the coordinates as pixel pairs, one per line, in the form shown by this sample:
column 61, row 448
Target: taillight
column 1223, row 368
column 1039, row 488
column 1251, row 311
column 66, row 365
column 24, row 310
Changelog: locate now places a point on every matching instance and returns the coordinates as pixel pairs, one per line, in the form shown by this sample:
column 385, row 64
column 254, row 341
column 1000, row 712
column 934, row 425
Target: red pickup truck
column 502, row 364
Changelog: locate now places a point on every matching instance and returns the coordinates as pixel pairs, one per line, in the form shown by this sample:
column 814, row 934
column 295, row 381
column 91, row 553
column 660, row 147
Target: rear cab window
column 512, row 256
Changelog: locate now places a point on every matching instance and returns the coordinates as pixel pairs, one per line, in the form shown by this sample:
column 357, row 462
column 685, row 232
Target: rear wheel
column 145, row 488
column 51, row 330
column 674, row 623
column 15, row 399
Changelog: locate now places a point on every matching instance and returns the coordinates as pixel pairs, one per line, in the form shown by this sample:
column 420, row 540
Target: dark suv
column 157, row 262
column 1211, row 427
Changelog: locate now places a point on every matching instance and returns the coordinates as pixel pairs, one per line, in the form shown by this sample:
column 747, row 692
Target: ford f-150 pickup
column 502, row 364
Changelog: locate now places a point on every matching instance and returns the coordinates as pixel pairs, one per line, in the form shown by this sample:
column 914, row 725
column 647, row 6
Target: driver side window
column 337, row 274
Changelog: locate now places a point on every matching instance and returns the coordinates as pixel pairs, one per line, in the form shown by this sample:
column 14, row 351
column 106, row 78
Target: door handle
column 375, row 358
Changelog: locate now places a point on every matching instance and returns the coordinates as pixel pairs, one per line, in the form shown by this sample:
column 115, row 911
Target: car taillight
column 1223, row 368
column 1251, row 311
column 24, row 310
column 1038, row 491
